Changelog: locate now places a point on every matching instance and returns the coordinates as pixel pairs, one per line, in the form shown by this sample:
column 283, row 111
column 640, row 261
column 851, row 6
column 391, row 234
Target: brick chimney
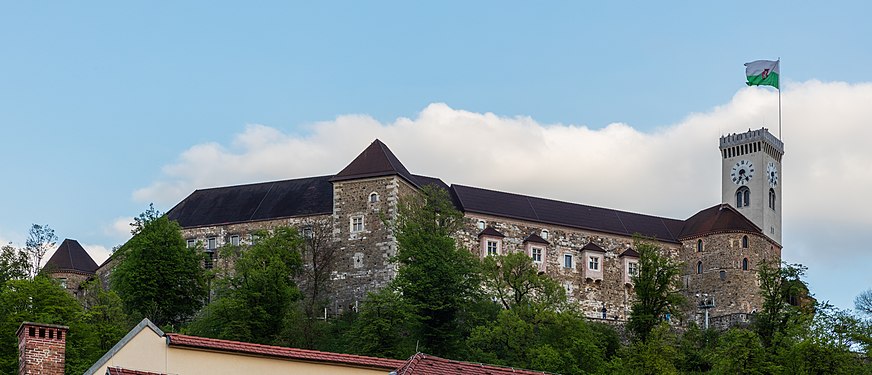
column 41, row 349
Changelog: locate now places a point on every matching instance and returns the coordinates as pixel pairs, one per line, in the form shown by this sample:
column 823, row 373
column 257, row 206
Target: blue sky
column 101, row 104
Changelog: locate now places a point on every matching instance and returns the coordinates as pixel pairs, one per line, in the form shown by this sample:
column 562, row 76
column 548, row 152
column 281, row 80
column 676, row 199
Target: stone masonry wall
column 735, row 291
column 365, row 256
column 592, row 295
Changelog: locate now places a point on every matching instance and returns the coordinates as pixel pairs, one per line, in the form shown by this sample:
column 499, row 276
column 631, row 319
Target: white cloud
column 97, row 252
column 672, row 171
column 119, row 228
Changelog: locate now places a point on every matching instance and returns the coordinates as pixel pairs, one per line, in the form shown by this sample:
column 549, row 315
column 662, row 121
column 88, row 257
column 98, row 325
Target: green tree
column 655, row 355
column 657, row 289
column 40, row 239
column 157, row 276
column 779, row 286
column 436, row 277
column 43, row 300
column 863, row 302
column 104, row 313
column 14, row 264
column 386, row 326
column 740, row 351
column 251, row 304
column 515, row 282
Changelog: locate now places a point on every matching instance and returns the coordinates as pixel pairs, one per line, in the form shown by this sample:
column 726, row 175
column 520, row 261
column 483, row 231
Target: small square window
column 633, row 268
column 356, row 224
column 593, row 263
column 191, row 243
column 567, row 260
column 536, row 254
column 234, row 240
column 492, row 248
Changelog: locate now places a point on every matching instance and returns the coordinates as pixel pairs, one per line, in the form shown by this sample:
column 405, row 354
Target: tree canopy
column 157, row 276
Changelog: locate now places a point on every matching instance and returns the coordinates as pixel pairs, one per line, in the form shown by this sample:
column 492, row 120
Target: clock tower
column 751, row 177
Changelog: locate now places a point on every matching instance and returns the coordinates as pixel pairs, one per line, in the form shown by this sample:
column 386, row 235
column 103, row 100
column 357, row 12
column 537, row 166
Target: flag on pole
column 762, row 73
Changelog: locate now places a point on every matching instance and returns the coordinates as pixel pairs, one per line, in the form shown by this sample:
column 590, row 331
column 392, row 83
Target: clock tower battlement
column 751, row 177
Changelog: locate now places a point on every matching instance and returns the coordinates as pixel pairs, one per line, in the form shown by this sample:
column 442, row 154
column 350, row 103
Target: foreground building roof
column 424, row 364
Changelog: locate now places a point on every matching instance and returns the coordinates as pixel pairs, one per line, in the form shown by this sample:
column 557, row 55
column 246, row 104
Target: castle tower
column 751, row 178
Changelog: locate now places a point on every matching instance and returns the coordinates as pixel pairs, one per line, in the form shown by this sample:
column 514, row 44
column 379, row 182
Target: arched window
column 544, row 234
column 743, row 197
column 699, row 245
column 772, row 198
column 745, row 264
column 744, row 242
column 481, row 224
column 699, row 267
column 373, row 197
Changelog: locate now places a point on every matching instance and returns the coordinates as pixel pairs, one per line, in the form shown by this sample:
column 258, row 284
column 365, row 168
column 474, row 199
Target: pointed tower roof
column 377, row 160
column 721, row 218
column 71, row 257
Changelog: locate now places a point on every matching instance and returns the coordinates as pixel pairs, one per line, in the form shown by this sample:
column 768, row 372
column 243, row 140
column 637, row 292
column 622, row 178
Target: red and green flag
column 762, row 73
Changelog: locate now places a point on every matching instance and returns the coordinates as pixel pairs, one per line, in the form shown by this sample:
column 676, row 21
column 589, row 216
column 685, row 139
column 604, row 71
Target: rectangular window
column 253, row 238
column 567, row 260
column 210, row 259
column 356, row 224
column 593, row 263
column 191, row 243
column 212, row 243
column 492, row 248
column 633, row 268
column 536, row 254
column 234, row 240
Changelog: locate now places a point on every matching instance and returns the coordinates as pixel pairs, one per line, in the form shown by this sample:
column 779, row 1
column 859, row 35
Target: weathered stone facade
column 589, row 251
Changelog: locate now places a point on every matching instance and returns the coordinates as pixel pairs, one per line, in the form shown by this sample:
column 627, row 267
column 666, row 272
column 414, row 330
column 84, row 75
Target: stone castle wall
column 591, row 293
column 735, row 290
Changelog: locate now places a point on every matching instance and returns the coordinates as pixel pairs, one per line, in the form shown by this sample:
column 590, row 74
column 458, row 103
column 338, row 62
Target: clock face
column 772, row 174
column 742, row 172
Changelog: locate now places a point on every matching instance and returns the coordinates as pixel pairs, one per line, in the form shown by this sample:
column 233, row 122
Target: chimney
column 41, row 349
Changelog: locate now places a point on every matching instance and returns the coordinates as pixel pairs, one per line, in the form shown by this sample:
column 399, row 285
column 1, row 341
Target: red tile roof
column 124, row 371
column 179, row 340
column 423, row 364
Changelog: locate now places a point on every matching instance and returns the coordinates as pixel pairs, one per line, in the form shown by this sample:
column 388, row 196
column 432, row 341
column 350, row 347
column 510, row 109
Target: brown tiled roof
column 629, row 253
column 124, row 371
column 423, row 364
column 572, row 215
column 179, row 340
column 377, row 160
column 721, row 218
column 71, row 257
column 490, row 231
column 592, row 247
column 535, row 238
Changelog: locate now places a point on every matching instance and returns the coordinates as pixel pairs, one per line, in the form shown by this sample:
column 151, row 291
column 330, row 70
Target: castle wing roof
column 720, row 218
column 254, row 202
column 571, row 215
column 71, row 256
column 377, row 160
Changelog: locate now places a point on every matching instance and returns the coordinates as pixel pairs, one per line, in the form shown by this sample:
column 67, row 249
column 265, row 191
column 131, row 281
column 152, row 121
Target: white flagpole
column 779, row 98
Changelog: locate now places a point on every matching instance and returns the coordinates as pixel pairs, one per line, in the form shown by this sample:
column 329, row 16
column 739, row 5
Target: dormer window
column 373, row 197
column 593, row 263
column 536, row 254
column 633, row 269
column 493, row 248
